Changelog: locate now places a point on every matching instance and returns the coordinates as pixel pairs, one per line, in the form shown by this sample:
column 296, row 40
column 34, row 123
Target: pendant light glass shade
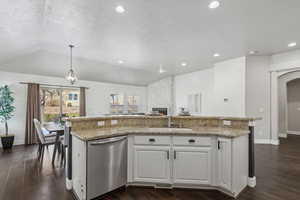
column 71, row 75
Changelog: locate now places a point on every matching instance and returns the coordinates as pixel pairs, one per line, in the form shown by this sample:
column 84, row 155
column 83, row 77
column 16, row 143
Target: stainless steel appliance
column 107, row 165
column 161, row 111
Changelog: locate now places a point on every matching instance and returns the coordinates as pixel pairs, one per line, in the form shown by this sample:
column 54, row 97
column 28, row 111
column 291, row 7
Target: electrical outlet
column 100, row 123
column 226, row 123
column 114, row 122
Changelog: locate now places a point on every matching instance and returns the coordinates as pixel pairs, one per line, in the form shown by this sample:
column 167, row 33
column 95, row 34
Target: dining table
column 59, row 129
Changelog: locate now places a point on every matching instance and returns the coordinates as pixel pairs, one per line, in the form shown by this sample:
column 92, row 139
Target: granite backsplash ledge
column 85, row 123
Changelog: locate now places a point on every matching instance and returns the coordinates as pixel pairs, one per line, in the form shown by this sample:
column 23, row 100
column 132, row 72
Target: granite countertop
column 88, row 118
column 94, row 134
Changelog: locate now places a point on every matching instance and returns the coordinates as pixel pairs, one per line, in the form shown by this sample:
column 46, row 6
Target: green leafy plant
column 6, row 106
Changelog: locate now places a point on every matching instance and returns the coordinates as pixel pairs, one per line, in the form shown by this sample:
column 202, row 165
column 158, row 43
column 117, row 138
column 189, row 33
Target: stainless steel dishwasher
column 107, row 165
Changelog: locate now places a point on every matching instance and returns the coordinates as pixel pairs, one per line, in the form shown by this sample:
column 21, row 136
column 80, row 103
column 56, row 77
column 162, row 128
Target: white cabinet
column 224, row 163
column 189, row 161
column 192, row 165
column 79, row 172
column 152, row 164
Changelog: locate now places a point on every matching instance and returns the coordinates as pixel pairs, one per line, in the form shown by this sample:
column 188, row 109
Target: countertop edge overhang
column 89, row 118
column 94, row 134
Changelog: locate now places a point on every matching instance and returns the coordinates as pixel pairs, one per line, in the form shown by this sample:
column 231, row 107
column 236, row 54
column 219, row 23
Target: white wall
column 230, row 83
column 98, row 97
column 225, row 80
column 287, row 60
column 193, row 83
column 160, row 94
column 281, row 64
column 258, row 94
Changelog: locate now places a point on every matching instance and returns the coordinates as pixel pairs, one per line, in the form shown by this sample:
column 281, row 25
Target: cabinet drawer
column 152, row 140
column 192, row 141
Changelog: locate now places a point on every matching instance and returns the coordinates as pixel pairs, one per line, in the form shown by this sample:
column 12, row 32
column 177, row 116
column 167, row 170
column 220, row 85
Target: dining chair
column 43, row 141
column 63, row 147
column 46, row 133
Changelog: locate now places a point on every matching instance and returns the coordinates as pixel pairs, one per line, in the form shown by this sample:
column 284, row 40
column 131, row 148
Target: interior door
column 152, row 164
column 192, row 165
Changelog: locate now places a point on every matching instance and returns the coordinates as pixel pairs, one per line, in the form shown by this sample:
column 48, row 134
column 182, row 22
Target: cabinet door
column 224, row 163
column 79, row 171
column 192, row 165
column 152, row 164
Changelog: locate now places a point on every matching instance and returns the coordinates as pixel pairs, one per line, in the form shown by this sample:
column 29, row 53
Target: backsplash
column 85, row 123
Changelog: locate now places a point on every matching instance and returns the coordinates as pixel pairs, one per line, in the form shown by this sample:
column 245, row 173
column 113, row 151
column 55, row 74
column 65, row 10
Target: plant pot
column 7, row 141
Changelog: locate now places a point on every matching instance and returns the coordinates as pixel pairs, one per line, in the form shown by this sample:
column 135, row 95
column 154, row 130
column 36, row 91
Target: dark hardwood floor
column 22, row 177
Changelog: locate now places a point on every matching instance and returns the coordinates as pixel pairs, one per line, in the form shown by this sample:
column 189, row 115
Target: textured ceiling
column 34, row 35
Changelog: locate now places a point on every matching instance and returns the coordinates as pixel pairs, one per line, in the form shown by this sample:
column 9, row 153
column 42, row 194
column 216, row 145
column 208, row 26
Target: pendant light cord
column 71, row 55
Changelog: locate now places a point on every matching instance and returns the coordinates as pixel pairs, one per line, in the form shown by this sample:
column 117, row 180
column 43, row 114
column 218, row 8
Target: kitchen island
column 201, row 152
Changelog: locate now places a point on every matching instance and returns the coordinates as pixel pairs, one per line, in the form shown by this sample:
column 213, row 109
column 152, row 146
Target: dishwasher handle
column 109, row 140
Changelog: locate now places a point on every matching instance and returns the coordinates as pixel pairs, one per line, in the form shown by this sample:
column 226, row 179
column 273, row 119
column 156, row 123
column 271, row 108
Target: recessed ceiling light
column 120, row 9
column 292, row 44
column 216, row 55
column 120, row 61
column 253, row 52
column 214, row 4
column 183, row 64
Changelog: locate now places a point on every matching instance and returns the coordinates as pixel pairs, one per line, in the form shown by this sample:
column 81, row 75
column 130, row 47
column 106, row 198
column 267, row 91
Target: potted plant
column 6, row 113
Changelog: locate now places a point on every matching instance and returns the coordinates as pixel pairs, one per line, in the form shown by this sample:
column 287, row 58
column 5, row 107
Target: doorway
column 293, row 107
column 289, row 103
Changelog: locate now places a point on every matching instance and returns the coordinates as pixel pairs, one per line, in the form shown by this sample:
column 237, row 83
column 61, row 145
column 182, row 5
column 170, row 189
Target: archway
column 279, row 80
column 283, row 81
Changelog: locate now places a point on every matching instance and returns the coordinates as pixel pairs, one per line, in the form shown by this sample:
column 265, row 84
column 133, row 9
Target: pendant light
column 71, row 75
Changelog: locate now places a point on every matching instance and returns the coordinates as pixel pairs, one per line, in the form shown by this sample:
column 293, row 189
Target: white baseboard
column 266, row 141
column 262, row 141
column 283, row 135
column 274, row 142
column 293, row 132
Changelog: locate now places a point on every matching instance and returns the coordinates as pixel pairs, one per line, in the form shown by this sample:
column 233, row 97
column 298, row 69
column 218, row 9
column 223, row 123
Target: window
column 58, row 102
column 122, row 104
column 194, row 103
column 116, row 103
column 132, row 104
column 117, row 99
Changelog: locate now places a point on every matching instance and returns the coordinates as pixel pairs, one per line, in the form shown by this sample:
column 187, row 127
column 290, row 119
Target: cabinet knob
column 191, row 141
column 151, row 140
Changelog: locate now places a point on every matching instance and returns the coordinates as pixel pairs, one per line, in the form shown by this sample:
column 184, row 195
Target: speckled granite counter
column 93, row 134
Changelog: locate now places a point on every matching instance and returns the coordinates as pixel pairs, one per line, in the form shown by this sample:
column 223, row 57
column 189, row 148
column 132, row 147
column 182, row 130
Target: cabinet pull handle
column 174, row 155
column 151, row 140
column 168, row 155
column 191, row 141
column 219, row 145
